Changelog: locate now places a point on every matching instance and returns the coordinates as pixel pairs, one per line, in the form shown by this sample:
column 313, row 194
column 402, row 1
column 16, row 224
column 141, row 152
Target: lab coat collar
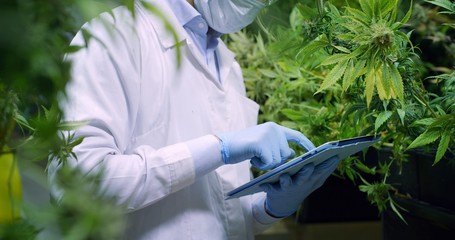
column 226, row 58
column 169, row 23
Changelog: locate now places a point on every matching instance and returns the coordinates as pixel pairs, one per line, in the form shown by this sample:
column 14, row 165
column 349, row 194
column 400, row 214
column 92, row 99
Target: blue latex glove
column 284, row 197
column 265, row 144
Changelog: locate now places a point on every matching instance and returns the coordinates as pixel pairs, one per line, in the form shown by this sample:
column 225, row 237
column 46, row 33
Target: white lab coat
column 143, row 107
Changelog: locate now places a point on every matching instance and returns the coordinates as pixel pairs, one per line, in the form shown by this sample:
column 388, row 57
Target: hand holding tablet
column 342, row 149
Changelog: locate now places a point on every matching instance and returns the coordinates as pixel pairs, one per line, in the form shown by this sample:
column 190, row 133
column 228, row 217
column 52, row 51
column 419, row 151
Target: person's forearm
column 206, row 152
column 137, row 179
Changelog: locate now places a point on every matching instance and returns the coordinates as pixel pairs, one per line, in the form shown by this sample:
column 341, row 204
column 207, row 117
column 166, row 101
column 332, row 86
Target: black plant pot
column 423, row 222
column 430, row 203
column 339, row 200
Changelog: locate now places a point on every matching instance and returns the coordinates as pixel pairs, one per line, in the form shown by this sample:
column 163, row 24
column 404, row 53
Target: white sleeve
column 206, row 152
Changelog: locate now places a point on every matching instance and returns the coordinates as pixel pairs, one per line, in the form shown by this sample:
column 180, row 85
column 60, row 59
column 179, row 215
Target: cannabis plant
column 366, row 45
column 34, row 38
column 346, row 68
column 440, row 125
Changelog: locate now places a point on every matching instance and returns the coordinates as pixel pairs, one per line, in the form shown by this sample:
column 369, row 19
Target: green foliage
column 366, row 45
column 440, row 125
column 34, row 39
column 376, row 193
column 18, row 230
column 85, row 212
column 285, row 89
column 8, row 110
column 442, row 128
column 445, row 4
column 346, row 68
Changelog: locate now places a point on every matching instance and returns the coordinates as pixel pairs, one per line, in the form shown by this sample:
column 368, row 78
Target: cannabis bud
column 382, row 36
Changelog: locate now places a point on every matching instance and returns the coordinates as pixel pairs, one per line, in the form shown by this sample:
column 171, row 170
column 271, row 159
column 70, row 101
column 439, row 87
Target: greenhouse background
column 331, row 69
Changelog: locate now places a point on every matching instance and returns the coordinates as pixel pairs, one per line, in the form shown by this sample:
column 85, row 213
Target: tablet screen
column 342, row 148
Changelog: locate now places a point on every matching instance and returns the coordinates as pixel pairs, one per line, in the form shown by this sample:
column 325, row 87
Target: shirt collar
column 183, row 11
column 187, row 15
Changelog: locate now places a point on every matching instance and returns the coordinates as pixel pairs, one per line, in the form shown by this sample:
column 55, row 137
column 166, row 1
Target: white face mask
column 228, row 16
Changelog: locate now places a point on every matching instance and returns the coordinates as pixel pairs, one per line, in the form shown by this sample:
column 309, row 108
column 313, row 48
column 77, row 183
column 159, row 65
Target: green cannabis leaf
column 381, row 119
column 446, row 4
column 366, row 45
column 442, row 128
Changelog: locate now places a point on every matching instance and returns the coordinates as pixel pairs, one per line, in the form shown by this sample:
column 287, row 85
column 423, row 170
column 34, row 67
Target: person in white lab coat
column 173, row 137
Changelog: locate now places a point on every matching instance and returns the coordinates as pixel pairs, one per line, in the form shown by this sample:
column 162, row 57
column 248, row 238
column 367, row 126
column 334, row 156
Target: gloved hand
column 284, row 197
column 265, row 144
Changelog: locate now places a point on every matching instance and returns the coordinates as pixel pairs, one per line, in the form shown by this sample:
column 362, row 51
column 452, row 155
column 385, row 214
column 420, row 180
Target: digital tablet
column 343, row 148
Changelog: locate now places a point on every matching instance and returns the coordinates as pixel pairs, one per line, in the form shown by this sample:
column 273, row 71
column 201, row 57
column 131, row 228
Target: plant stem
column 10, row 187
column 320, row 5
column 422, row 99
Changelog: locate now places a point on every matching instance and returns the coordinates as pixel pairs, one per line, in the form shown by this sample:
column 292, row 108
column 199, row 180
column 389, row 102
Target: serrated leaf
column 443, row 146
column 397, row 82
column 405, row 37
column 357, row 108
column 292, row 114
column 334, row 75
column 425, row 138
column 290, row 124
column 306, row 11
column 377, row 9
column 342, row 49
column 443, row 121
column 424, row 122
column 392, row 93
column 380, row 85
column 268, row 73
column 397, row 25
column 349, row 77
column 360, row 68
column 440, row 110
column 367, row 7
column 22, row 121
column 297, row 17
column 408, row 14
column 359, row 51
column 393, row 17
column 346, row 37
column 320, row 42
column 386, row 82
column 442, row 3
column 370, row 82
column 358, row 16
column 335, row 58
column 401, row 114
column 388, row 6
column 381, row 119
column 333, row 10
